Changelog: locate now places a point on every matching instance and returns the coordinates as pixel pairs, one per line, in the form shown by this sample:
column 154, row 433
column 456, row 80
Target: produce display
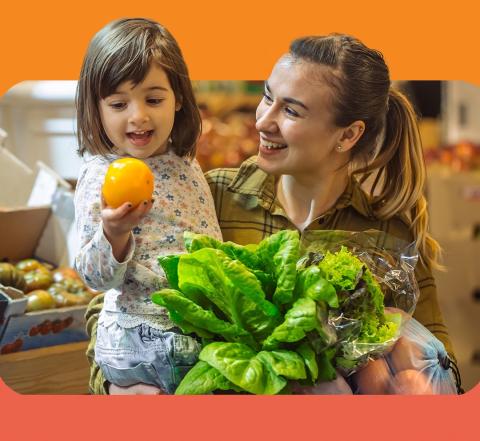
column 127, row 180
column 45, row 287
column 272, row 316
column 226, row 140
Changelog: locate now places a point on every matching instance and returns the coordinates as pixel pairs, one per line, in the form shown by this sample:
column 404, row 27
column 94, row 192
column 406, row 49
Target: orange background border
column 242, row 40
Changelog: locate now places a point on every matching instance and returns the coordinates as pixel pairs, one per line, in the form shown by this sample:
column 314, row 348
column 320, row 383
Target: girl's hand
column 135, row 389
column 118, row 222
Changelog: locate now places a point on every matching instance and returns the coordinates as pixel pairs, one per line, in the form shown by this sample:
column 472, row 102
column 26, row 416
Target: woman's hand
column 135, row 389
column 118, row 222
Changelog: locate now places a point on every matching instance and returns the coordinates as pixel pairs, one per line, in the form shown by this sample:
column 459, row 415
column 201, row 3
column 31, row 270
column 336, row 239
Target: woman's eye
column 289, row 111
column 267, row 98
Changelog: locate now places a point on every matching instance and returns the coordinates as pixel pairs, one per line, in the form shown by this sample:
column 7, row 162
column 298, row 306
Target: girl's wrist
column 119, row 244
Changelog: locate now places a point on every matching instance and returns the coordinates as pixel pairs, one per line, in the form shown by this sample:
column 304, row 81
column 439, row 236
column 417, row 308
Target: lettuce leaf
column 311, row 283
column 299, row 319
column 258, row 373
column 184, row 312
column 279, row 254
column 342, row 269
column 203, row 379
column 231, row 287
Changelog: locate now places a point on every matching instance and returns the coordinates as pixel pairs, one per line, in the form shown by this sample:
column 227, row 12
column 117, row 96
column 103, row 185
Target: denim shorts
column 143, row 354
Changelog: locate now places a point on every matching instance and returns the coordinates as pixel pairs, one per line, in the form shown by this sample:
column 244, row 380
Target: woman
column 328, row 120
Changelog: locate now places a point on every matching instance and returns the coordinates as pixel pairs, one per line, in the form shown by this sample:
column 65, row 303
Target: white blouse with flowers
column 182, row 202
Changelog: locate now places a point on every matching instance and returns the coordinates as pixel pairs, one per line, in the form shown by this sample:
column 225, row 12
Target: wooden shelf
column 61, row 369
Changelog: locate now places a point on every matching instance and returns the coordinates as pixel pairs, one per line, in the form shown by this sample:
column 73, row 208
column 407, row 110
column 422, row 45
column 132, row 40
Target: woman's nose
column 265, row 119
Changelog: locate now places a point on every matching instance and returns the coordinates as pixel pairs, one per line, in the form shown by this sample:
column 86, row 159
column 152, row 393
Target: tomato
column 38, row 300
column 63, row 273
column 39, row 278
column 27, row 265
column 127, row 180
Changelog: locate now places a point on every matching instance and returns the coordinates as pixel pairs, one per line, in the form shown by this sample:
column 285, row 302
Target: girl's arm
column 96, row 261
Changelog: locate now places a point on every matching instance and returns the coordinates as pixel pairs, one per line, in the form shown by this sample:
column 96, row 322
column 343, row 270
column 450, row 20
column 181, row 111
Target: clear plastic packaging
column 412, row 361
column 416, row 365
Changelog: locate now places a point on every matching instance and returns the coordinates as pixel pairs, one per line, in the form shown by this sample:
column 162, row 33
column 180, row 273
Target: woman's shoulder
column 365, row 209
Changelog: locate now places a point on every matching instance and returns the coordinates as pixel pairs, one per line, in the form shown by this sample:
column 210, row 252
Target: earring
column 339, row 148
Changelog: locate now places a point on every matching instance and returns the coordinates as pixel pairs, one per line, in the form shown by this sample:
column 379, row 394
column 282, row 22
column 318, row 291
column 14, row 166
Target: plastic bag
column 391, row 261
column 416, row 365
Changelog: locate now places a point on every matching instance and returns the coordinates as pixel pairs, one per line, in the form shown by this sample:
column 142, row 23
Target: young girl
column 135, row 99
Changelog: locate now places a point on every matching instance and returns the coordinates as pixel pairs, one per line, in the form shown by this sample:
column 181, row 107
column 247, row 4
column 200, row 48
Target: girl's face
column 138, row 119
column 294, row 120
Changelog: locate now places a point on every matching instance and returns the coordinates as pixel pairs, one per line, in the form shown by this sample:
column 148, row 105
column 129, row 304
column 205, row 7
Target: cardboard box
column 20, row 330
column 38, row 223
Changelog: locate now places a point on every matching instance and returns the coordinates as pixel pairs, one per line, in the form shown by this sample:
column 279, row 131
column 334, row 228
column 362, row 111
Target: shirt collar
column 251, row 181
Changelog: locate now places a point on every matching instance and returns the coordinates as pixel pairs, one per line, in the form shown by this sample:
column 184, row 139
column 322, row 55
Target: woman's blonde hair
column 390, row 149
column 124, row 51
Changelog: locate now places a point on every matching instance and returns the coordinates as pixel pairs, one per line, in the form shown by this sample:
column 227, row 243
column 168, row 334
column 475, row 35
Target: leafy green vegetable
column 310, row 359
column 257, row 373
column 341, row 269
column 326, row 371
column 310, row 283
column 299, row 319
column 169, row 265
column 245, row 254
column 231, row 287
column 193, row 315
column 279, row 254
column 203, row 379
column 277, row 317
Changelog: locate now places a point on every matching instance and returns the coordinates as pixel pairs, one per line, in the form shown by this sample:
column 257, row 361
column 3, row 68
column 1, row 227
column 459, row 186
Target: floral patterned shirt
column 182, row 202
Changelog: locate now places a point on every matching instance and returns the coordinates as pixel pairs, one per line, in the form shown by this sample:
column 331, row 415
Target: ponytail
column 401, row 175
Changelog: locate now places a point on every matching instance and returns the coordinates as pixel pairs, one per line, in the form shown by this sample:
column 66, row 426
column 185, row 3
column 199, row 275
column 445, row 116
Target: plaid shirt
column 248, row 211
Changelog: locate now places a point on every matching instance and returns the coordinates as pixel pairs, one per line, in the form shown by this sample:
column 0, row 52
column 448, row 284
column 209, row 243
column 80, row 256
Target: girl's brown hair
column 124, row 51
column 390, row 148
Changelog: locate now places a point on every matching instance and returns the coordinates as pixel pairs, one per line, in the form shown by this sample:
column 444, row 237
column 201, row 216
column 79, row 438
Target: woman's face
column 295, row 122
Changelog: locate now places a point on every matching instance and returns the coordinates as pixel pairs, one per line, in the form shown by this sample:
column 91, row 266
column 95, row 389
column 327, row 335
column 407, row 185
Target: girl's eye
column 267, row 98
column 117, row 105
column 154, row 101
column 289, row 111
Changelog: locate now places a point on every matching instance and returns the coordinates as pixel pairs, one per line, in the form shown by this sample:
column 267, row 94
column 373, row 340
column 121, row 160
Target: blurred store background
column 39, row 120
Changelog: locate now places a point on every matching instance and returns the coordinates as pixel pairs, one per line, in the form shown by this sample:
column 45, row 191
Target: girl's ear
column 351, row 134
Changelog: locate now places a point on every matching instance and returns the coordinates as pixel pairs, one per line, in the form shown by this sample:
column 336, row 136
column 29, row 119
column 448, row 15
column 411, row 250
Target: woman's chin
column 271, row 166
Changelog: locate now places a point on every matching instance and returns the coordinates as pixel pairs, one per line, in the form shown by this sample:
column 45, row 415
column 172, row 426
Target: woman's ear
column 178, row 103
column 351, row 134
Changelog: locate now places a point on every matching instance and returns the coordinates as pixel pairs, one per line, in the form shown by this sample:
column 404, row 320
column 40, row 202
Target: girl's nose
column 265, row 119
column 139, row 115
